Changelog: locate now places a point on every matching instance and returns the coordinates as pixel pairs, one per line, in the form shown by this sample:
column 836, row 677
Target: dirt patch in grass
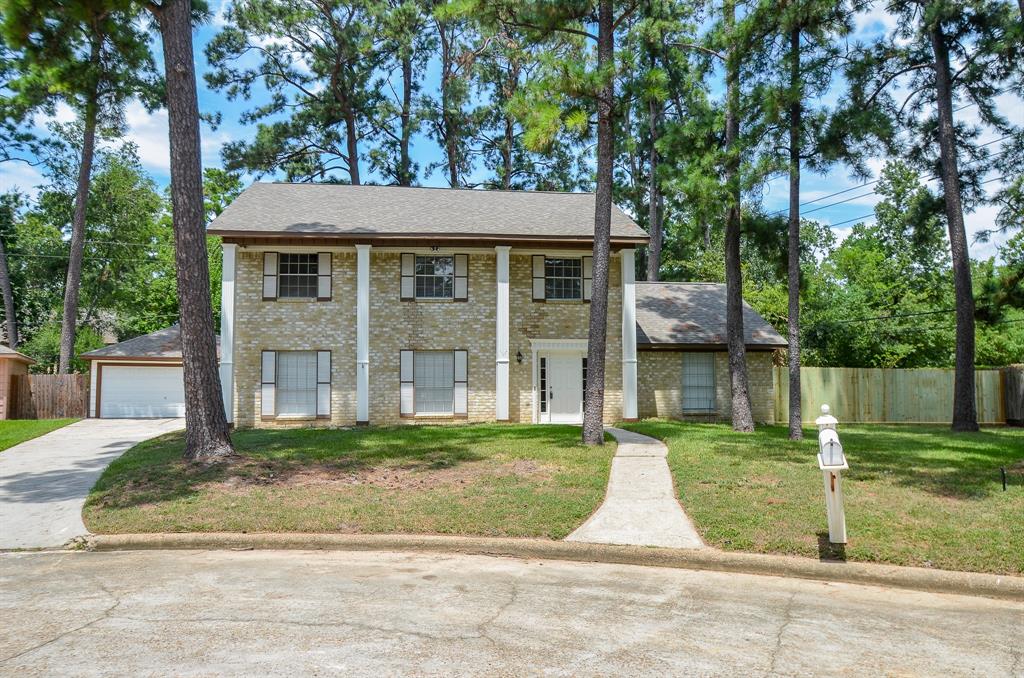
column 244, row 474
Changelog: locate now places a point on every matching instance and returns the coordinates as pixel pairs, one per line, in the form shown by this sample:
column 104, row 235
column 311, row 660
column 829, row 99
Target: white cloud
column 149, row 132
column 18, row 175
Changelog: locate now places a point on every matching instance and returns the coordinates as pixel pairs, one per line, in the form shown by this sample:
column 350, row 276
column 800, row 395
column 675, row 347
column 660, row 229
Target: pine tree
column 946, row 53
column 94, row 58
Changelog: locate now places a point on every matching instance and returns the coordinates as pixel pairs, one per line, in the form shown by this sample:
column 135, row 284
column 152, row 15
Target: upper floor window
column 434, row 277
column 297, row 275
column 562, row 278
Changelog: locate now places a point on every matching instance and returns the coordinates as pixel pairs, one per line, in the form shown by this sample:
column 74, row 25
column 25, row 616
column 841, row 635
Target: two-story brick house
column 379, row 305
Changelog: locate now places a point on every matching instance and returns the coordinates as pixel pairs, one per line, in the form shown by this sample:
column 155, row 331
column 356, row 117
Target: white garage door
column 137, row 392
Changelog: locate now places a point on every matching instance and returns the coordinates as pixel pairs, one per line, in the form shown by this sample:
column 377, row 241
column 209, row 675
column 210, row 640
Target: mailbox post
column 832, row 463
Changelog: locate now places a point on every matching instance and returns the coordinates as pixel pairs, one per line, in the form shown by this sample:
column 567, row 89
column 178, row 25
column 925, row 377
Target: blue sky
column 149, row 131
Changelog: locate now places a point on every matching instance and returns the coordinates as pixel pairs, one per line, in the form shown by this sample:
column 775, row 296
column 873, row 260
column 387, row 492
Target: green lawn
column 914, row 495
column 494, row 480
column 14, row 431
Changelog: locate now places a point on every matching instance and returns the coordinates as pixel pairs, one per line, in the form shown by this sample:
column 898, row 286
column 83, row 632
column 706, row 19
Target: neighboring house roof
column 163, row 344
column 8, row 353
column 693, row 314
column 394, row 212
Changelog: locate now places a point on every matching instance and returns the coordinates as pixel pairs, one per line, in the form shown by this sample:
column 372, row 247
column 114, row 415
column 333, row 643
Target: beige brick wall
column 660, row 381
column 558, row 320
column 294, row 326
column 396, row 325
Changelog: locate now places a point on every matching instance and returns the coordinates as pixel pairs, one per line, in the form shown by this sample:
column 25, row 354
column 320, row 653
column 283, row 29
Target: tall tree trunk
column 69, row 321
column 206, row 428
column 506, row 153
column 965, row 413
column 654, row 198
column 5, row 286
column 593, row 408
column 352, row 145
column 796, row 431
column 742, row 417
column 405, row 170
column 448, row 123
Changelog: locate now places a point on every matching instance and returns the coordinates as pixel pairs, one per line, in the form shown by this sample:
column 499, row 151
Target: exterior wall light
column 519, row 357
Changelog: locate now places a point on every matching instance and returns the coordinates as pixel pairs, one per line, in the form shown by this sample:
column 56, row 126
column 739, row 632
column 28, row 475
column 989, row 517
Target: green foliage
column 44, row 346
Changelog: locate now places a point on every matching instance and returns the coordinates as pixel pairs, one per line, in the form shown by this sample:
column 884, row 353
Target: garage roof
column 8, row 353
column 672, row 314
column 163, row 344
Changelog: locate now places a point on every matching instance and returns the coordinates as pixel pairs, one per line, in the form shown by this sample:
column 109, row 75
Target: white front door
column 564, row 383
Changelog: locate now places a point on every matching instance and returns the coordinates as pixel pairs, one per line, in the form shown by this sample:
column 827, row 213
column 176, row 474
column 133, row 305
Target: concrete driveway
column 44, row 481
column 295, row 613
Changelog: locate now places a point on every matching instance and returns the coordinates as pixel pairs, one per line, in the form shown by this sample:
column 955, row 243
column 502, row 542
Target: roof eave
column 230, row 235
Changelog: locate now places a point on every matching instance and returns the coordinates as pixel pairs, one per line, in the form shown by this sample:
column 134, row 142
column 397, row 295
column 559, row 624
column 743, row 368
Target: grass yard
column 914, row 495
column 14, row 431
column 492, row 480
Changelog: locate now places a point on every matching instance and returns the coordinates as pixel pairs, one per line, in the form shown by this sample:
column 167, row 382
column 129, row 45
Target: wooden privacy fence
column 1013, row 385
column 49, row 396
column 895, row 396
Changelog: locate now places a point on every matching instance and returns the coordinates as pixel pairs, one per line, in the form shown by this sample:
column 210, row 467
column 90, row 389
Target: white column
column 227, row 330
column 363, row 334
column 628, row 335
column 501, row 336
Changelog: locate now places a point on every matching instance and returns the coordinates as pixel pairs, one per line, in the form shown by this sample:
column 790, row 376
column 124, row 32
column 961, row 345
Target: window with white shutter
column 323, row 383
column 268, row 383
column 434, row 383
column 269, row 276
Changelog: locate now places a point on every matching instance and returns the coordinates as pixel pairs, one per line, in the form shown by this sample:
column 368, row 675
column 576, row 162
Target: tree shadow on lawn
column 154, row 471
column 932, row 459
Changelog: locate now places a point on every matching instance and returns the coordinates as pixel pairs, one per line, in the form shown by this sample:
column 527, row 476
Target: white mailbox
column 832, row 463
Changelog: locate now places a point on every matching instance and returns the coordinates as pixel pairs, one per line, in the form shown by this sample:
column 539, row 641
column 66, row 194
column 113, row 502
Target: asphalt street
column 367, row 613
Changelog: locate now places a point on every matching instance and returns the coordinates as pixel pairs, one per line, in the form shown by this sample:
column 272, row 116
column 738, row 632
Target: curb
column 915, row 578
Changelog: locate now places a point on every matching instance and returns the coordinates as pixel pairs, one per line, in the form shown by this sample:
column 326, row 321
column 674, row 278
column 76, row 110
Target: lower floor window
column 698, row 382
column 434, row 382
column 296, row 383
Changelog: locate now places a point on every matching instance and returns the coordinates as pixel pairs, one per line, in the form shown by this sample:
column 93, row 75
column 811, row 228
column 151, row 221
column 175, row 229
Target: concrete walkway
column 44, row 481
column 640, row 508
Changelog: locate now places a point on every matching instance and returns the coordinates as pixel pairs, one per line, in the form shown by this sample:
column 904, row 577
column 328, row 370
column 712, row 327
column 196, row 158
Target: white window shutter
column 323, row 383
column 406, row 387
column 323, row 277
column 588, row 276
column 461, row 277
column 461, row 382
column 268, row 385
column 408, row 273
column 538, row 277
column 269, row 275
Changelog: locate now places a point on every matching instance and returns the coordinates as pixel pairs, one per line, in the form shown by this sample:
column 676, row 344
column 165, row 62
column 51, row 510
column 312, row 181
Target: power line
column 872, row 183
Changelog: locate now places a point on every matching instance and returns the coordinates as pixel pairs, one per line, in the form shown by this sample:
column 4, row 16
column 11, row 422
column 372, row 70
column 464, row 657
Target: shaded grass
column 14, row 431
column 914, row 495
column 456, row 480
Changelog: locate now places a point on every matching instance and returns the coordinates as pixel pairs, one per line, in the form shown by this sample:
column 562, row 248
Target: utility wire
column 872, row 183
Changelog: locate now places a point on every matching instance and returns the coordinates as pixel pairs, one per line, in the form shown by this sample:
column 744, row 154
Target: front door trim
column 547, row 346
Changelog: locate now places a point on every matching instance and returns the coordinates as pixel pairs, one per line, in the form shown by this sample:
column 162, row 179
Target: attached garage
column 138, row 378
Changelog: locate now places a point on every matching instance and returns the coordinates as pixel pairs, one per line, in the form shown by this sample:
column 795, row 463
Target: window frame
column 311, row 276
column 690, row 359
column 449, row 278
column 539, row 269
column 280, row 390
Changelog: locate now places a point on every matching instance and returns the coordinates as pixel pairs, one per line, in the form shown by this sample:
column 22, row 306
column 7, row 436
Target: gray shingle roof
column 10, row 354
column 693, row 314
column 279, row 209
column 162, row 344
